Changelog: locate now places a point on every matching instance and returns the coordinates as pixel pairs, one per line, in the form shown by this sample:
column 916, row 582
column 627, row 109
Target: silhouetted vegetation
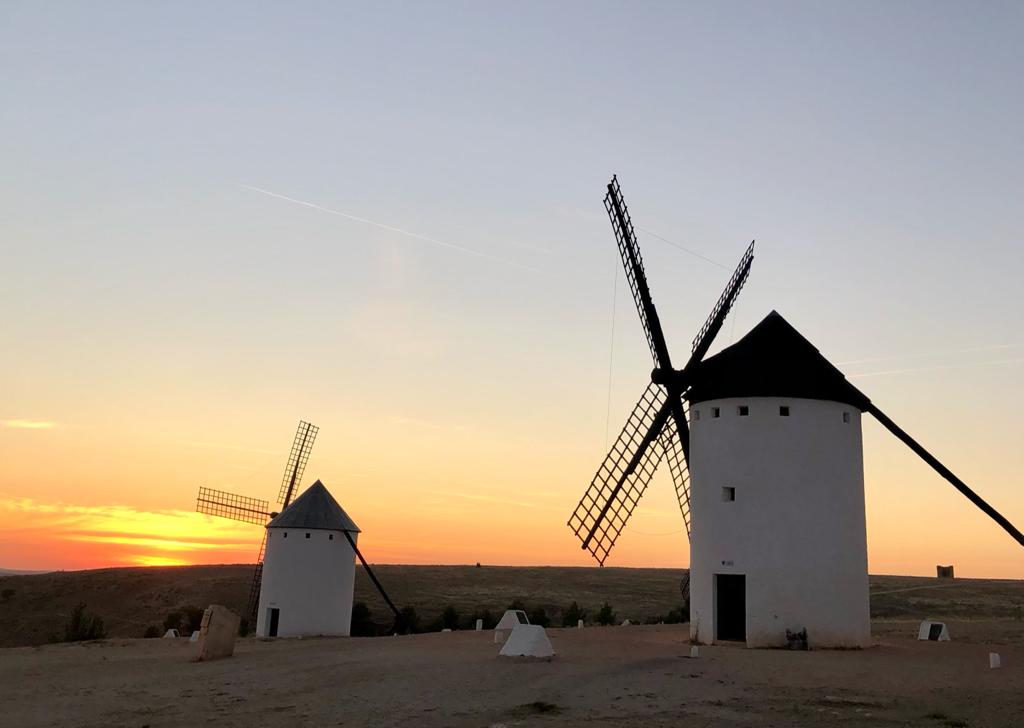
column 151, row 632
column 6, row 595
column 605, row 615
column 83, row 625
column 243, row 626
column 572, row 614
column 362, row 622
column 490, row 621
column 538, row 615
column 450, row 618
column 408, row 621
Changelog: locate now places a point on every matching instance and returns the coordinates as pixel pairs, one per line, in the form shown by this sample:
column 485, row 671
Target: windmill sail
column 297, row 458
column 228, row 505
column 633, row 265
column 623, row 476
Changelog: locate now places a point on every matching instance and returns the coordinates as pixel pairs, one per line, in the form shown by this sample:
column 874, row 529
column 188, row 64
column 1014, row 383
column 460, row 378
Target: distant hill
column 34, row 607
column 20, row 572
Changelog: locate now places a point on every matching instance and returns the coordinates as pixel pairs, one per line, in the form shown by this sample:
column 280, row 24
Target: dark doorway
column 935, row 631
column 274, row 614
column 731, row 609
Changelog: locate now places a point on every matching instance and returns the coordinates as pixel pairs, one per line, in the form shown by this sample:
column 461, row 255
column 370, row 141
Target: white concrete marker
column 479, row 625
column 528, row 640
column 935, row 631
column 171, row 634
column 194, row 637
column 994, row 661
column 579, row 624
column 447, row 629
column 695, row 652
column 626, row 623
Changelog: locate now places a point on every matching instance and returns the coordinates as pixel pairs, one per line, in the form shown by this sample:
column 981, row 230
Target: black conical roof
column 772, row 360
column 314, row 509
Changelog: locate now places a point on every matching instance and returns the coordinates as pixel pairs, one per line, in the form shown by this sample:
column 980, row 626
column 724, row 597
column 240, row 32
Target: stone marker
column 579, row 624
column 447, row 629
column 994, row 661
column 479, row 625
column 171, row 634
column 216, row 635
column 626, row 623
column 695, row 652
column 194, row 637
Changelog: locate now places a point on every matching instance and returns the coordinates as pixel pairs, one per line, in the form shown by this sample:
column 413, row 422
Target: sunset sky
column 386, row 219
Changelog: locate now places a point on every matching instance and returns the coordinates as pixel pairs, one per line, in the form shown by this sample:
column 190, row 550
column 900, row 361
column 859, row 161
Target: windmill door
column 731, row 607
column 273, row 616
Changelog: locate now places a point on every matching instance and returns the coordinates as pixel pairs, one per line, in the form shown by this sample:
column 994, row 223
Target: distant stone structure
column 944, row 572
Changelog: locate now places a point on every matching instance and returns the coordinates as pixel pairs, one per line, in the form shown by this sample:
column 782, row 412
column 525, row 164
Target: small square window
column 715, row 412
column 784, row 411
column 330, row 537
column 846, row 417
column 307, row 535
column 696, row 414
column 743, row 410
column 728, row 494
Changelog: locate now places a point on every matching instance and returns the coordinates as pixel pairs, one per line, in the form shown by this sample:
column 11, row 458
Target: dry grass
column 131, row 599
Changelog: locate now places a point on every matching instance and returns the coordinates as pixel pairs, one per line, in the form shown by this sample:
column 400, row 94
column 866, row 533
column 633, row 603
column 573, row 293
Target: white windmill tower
column 778, row 540
column 309, row 569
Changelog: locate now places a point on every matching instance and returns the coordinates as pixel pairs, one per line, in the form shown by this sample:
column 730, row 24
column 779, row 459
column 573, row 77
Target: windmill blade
column 706, row 336
column 623, row 476
column 228, row 505
column 301, row 447
column 946, row 473
column 675, row 440
column 634, row 267
column 257, row 582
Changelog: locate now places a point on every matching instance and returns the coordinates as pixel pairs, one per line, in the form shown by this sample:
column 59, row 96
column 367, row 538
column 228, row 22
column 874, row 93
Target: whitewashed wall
column 310, row 580
column 796, row 528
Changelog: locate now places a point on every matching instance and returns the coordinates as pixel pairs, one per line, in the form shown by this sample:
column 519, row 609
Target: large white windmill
column 776, row 498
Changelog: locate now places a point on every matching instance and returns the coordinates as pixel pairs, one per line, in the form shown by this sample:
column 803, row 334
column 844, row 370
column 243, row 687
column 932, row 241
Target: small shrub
column 362, row 624
column 151, row 632
column 539, row 616
column 243, row 627
column 572, row 614
column 408, row 621
column 193, row 619
column 450, row 618
column 174, row 620
column 490, row 621
column 82, row 625
column 605, row 615
column 6, row 594
column 518, row 604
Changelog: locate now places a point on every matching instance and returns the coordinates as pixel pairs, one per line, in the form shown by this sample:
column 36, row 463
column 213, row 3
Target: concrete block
column 695, row 652
column 579, row 624
column 217, row 634
column 479, row 625
column 994, row 660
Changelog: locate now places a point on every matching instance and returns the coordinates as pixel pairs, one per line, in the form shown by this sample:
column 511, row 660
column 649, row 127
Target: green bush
column 605, row 615
column 82, row 625
column 572, row 614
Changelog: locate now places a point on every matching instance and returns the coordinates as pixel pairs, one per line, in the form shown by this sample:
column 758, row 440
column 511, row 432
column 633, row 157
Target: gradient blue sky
column 157, row 307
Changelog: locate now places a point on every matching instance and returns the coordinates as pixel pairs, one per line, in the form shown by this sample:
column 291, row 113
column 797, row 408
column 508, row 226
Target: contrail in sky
column 392, row 228
column 938, row 368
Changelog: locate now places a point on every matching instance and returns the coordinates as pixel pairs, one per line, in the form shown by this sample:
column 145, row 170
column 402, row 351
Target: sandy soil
column 613, row 676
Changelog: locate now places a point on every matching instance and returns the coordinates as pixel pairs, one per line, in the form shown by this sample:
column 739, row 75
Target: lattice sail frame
column 602, row 504
column 229, row 505
column 673, row 448
column 725, row 303
column 297, row 458
column 629, row 250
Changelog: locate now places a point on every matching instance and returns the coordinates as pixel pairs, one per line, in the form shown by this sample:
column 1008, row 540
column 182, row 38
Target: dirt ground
column 611, row 676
